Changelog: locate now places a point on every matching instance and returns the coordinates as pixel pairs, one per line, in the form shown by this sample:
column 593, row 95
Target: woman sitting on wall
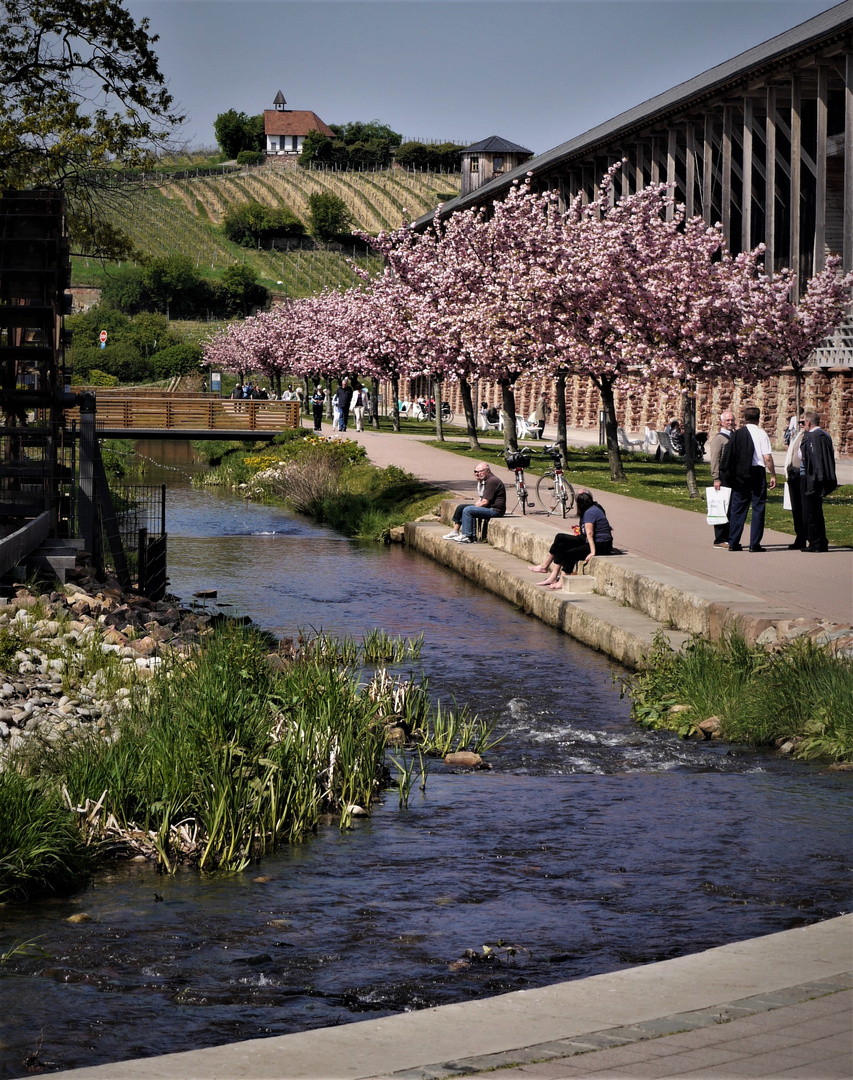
column 596, row 538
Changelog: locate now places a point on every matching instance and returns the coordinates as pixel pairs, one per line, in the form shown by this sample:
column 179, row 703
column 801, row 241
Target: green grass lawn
column 662, row 483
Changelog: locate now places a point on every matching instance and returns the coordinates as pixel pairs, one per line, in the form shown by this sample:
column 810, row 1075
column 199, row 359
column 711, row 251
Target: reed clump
column 799, row 694
column 217, row 759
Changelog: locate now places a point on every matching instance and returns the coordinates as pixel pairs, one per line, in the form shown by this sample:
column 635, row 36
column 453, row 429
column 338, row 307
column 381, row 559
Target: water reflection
column 590, row 845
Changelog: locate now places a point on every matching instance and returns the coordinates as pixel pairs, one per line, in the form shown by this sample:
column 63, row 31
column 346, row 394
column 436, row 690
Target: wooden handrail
column 200, row 413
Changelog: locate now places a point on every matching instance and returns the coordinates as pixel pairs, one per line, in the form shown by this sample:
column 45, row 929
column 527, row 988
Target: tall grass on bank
column 40, row 846
column 220, row 759
column 328, row 480
column 800, row 691
column 228, row 758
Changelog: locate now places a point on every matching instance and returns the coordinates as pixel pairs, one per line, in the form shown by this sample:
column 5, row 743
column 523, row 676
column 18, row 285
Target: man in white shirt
column 746, row 459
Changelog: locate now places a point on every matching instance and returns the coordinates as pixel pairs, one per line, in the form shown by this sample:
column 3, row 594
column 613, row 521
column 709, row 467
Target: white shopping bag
column 718, row 505
column 786, row 499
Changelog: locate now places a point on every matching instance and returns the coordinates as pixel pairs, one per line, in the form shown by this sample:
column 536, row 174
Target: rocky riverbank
column 72, row 658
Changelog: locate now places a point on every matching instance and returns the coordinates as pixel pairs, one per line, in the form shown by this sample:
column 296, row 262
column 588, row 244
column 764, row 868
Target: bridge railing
column 159, row 412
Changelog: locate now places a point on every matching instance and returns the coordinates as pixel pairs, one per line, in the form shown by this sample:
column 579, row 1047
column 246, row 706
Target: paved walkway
column 678, row 538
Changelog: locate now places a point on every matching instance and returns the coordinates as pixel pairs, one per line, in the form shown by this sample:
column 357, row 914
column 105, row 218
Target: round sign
column 103, row 335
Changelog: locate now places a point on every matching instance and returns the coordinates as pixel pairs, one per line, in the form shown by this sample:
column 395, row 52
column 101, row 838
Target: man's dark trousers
column 813, row 521
column 756, row 495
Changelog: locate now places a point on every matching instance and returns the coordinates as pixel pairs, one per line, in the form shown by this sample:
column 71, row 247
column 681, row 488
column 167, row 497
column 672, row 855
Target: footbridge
column 152, row 414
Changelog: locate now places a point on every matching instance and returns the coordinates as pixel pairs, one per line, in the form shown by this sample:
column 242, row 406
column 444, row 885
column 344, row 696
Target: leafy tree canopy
column 252, row 222
column 327, row 215
column 358, row 132
column 236, row 131
column 355, row 144
column 80, row 88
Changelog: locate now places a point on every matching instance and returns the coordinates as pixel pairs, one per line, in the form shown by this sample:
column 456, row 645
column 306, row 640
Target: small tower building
column 492, row 157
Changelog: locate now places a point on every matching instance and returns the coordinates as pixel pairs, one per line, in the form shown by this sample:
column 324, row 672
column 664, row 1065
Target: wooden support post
column 796, row 166
column 86, row 488
column 746, row 195
column 708, row 170
column 654, row 169
column 770, row 183
column 847, row 255
column 690, row 171
column 671, row 146
column 727, row 174
column 820, row 178
column 639, row 177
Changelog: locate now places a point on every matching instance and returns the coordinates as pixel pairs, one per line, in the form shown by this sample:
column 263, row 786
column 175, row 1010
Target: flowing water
column 590, row 845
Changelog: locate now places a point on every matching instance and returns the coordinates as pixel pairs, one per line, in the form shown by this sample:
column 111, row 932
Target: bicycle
column 427, row 412
column 518, row 461
column 552, row 488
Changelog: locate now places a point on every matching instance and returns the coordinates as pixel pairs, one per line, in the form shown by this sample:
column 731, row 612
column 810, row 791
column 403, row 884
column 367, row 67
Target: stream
column 590, row 844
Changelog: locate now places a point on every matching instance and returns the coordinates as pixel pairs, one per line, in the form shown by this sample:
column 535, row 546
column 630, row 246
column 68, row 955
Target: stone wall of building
column 652, row 404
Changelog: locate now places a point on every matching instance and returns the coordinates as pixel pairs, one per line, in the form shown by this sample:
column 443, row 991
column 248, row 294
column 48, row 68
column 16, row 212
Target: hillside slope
column 184, row 216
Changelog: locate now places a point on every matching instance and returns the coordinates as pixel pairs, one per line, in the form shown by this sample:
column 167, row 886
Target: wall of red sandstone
column 652, row 404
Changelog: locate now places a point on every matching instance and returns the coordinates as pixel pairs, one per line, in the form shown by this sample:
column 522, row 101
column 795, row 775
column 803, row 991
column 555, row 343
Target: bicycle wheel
column 546, row 493
column 567, row 496
column 446, row 414
column 521, row 492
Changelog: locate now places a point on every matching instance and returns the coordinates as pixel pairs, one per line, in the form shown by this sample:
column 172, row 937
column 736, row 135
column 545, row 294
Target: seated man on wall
column 491, row 502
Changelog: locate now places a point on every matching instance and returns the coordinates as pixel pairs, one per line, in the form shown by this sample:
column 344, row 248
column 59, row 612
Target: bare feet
column 539, row 569
column 555, row 584
column 549, row 584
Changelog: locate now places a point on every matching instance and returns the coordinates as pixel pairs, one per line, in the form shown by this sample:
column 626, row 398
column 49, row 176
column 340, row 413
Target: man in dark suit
column 817, row 481
column 745, row 460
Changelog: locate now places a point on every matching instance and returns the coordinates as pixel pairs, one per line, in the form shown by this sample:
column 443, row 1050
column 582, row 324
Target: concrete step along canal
column 622, row 601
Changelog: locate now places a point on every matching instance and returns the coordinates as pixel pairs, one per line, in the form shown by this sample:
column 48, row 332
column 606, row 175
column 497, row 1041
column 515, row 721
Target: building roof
column 756, row 62
column 295, row 122
column 496, row 145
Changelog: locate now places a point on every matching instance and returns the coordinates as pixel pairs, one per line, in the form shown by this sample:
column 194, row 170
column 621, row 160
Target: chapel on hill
column 285, row 129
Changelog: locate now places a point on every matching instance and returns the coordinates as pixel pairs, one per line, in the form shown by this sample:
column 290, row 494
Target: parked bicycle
column 552, row 489
column 425, row 410
column 518, row 461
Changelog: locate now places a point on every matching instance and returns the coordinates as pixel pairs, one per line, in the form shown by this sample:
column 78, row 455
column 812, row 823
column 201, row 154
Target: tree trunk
column 374, row 404
column 329, row 396
column 395, row 402
column 439, row 427
column 562, row 434
column 688, row 420
column 508, row 409
column 605, row 387
column 798, row 388
column 470, row 418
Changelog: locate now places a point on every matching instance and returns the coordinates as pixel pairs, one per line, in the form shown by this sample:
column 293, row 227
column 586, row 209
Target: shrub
column 126, row 290
column 327, row 215
column 251, row 223
column 100, row 378
column 438, row 156
column 311, row 480
column 122, row 360
column 177, row 360
column 251, row 157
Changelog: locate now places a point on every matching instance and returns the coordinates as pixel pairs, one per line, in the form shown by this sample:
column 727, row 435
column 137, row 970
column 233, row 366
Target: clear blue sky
column 537, row 73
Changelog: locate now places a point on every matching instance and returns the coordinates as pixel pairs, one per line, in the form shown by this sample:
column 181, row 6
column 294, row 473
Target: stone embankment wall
column 651, row 404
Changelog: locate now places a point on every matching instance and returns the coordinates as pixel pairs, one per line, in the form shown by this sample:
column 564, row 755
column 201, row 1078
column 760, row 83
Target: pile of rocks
column 73, row 658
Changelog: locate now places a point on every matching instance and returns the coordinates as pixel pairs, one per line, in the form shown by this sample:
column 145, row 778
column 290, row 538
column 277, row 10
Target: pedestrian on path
column 715, row 452
column 793, row 474
column 744, row 463
column 818, row 480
